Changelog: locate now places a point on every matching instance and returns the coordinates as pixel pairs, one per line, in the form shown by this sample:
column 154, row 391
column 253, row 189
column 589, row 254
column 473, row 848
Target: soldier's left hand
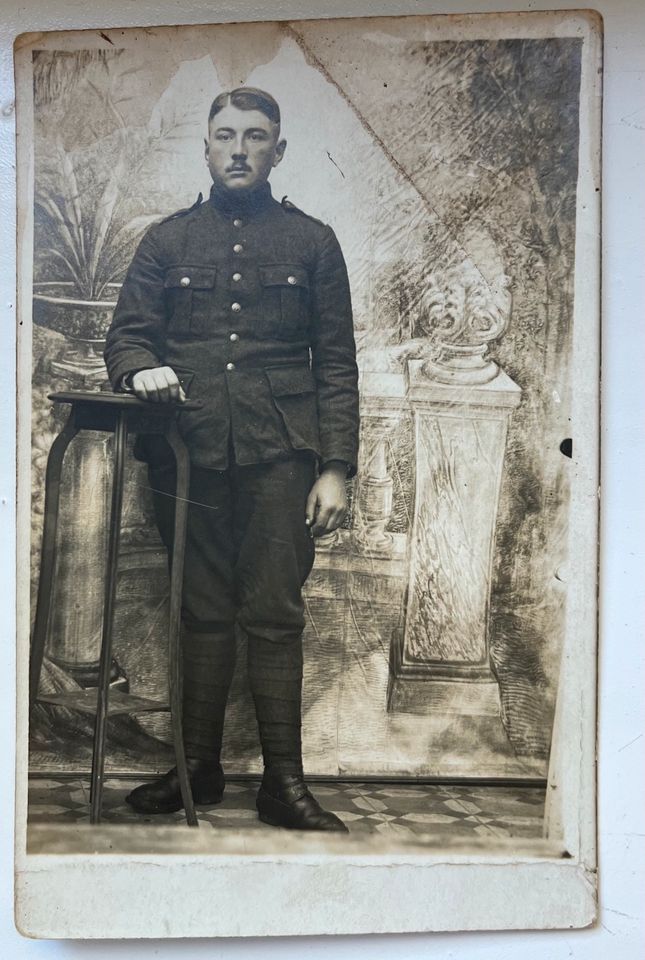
column 327, row 501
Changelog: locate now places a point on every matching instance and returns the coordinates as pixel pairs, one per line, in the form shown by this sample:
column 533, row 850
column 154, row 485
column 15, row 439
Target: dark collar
column 242, row 204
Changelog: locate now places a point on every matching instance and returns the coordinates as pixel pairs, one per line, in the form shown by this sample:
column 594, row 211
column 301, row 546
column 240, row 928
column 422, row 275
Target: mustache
column 238, row 166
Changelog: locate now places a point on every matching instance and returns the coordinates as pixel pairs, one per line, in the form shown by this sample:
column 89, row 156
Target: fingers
column 328, row 519
column 319, row 528
column 340, row 516
column 163, row 387
column 326, row 504
column 140, row 384
column 158, row 385
column 335, row 520
column 310, row 507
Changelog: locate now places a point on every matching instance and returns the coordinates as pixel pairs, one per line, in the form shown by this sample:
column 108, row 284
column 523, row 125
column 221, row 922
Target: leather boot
column 284, row 800
column 164, row 795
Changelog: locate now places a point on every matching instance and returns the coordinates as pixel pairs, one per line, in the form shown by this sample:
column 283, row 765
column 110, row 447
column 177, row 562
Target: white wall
column 622, row 710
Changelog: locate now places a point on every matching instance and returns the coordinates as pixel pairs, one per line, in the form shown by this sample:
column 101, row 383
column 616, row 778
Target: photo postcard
column 308, row 464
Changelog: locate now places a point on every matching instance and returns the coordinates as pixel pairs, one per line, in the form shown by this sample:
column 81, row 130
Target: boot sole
column 270, row 811
column 174, row 807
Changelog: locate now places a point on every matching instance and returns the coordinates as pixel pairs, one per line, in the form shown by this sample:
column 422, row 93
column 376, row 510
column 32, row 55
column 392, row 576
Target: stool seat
column 118, row 413
column 103, row 398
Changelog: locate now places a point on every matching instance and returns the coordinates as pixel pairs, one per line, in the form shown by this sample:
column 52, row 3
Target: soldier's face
column 242, row 148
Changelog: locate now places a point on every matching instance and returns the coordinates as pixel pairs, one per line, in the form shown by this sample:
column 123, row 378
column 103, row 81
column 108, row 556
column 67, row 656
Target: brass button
column 291, row 279
column 234, row 337
column 237, row 248
column 236, row 307
column 230, row 366
column 237, row 222
column 185, row 281
column 237, row 276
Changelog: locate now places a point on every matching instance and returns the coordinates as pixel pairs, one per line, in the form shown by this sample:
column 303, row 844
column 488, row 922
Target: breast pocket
column 190, row 294
column 285, row 300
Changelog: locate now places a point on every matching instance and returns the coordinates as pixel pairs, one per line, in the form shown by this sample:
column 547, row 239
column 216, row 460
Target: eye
column 222, row 135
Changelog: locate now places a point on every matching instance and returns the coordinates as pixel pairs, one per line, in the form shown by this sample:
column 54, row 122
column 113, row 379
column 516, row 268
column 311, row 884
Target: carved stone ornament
column 462, row 317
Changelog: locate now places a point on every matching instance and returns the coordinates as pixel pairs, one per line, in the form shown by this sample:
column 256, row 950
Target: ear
column 280, row 147
column 205, row 148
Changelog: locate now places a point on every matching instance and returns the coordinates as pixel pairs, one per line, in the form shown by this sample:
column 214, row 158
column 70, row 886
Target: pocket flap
column 290, row 380
column 284, row 275
column 190, row 278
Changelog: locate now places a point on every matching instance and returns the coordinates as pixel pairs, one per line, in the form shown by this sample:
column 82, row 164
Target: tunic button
column 237, row 248
column 236, row 307
column 230, row 366
column 237, row 222
column 185, row 281
column 234, row 337
column 291, row 279
column 237, row 276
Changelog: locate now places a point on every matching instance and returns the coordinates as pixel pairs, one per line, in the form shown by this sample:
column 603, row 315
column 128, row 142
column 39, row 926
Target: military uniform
column 247, row 299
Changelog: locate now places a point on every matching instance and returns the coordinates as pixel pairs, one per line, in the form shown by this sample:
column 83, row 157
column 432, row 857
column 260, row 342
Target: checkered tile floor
column 392, row 810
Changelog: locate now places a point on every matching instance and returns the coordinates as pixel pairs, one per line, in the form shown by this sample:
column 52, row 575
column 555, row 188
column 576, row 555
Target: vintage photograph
column 299, row 306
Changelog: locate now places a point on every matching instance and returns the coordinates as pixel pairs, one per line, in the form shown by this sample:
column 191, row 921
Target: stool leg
column 100, row 729
column 48, row 553
column 174, row 626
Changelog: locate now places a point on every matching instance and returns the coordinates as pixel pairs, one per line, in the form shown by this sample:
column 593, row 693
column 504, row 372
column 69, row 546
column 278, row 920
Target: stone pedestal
column 460, row 435
column 74, row 639
column 75, row 635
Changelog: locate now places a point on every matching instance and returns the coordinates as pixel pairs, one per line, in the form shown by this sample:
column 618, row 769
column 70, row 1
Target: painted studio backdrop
column 448, row 170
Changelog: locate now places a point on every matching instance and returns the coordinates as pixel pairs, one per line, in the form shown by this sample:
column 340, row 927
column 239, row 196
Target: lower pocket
column 293, row 390
column 300, row 416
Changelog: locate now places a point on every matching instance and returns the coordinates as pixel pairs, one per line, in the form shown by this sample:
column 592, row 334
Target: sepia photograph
column 309, row 339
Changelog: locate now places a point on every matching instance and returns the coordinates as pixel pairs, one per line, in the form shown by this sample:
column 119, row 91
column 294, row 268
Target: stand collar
column 242, row 203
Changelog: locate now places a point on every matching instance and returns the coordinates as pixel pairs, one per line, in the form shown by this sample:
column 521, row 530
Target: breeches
column 248, row 553
column 248, row 549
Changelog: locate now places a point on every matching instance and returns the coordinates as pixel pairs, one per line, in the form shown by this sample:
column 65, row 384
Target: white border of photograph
column 549, row 883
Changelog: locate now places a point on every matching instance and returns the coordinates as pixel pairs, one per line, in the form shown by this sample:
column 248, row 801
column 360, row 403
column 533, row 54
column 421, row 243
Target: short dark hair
column 246, row 98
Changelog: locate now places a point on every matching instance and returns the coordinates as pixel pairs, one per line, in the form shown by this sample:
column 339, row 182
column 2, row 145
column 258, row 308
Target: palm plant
column 90, row 207
column 85, row 215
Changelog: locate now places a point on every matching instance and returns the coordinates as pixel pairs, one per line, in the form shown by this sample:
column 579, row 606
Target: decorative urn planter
column 83, row 323
column 463, row 316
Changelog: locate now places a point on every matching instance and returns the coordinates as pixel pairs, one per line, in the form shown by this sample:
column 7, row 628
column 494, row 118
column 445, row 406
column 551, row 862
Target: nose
column 238, row 153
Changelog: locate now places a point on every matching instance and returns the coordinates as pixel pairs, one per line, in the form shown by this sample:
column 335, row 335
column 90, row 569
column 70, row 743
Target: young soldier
column 243, row 303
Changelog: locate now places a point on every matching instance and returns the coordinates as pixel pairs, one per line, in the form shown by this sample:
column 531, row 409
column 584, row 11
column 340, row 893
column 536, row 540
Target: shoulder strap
column 184, row 210
column 292, row 208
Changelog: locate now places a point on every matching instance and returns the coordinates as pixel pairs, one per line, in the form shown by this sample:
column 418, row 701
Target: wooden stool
column 118, row 414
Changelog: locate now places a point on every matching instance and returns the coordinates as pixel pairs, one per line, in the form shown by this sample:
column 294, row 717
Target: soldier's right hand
column 159, row 384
